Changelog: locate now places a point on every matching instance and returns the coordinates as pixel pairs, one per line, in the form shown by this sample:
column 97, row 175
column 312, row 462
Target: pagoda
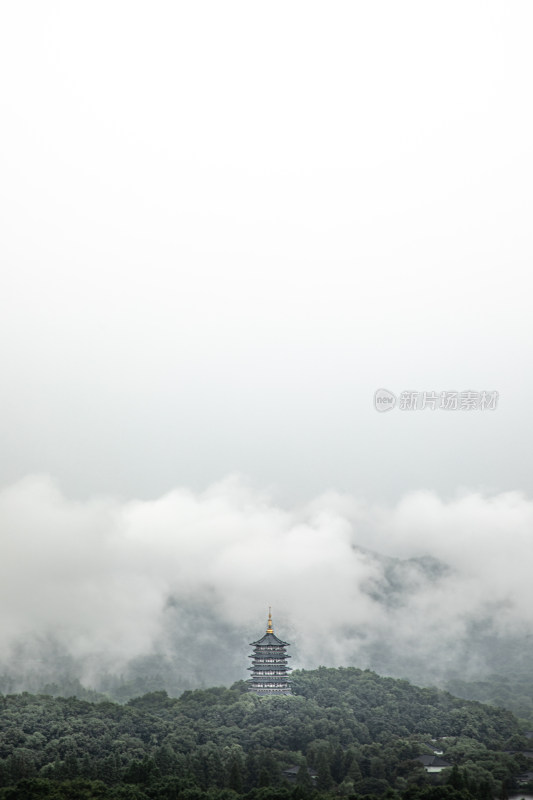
column 270, row 672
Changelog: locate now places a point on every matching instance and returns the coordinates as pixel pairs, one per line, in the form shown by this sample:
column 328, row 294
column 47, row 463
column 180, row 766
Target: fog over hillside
column 179, row 586
column 224, row 228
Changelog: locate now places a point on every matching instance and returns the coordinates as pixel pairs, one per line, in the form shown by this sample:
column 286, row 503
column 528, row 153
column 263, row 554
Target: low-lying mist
column 178, row 587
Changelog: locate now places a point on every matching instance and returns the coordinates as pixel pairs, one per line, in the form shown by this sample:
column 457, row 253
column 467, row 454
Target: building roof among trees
column 433, row 761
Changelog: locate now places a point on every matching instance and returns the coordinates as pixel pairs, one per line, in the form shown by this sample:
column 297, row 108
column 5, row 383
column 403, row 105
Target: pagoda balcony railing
column 268, row 659
column 273, row 674
column 271, row 685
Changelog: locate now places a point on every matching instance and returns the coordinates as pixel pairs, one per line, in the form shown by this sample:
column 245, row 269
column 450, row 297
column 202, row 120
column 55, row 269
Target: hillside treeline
column 512, row 692
column 346, row 731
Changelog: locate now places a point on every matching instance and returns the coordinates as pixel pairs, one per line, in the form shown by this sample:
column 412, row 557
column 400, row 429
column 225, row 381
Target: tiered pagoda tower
column 270, row 672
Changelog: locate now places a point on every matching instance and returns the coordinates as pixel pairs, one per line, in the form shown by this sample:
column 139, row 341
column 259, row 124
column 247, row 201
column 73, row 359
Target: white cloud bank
column 98, row 578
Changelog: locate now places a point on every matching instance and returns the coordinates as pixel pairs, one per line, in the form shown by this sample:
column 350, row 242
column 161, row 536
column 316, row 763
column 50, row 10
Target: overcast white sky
column 225, row 225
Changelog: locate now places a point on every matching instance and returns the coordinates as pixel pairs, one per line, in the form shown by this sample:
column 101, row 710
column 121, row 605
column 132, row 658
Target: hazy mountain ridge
column 195, row 649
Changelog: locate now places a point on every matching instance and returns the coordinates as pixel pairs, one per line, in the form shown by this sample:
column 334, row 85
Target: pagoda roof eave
column 270, row 639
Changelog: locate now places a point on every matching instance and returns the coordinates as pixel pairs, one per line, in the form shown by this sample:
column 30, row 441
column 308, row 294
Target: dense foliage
column 512, row 692
column 359, row 733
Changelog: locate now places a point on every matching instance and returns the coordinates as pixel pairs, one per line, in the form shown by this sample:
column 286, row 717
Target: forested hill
column 513, row 692
column 360, row 732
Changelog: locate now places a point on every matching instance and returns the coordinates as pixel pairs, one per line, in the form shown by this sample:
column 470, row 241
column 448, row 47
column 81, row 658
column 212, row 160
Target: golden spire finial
column 270, row 628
